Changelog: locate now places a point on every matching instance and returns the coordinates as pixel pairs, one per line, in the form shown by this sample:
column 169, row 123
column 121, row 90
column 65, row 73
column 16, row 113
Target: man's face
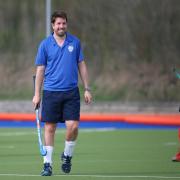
column 60, row 27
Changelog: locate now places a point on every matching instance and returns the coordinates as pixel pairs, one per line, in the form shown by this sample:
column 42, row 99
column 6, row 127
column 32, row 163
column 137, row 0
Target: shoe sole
column 65, row 171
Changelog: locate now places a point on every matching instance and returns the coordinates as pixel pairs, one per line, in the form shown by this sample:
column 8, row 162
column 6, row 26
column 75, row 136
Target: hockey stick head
column 43, row 151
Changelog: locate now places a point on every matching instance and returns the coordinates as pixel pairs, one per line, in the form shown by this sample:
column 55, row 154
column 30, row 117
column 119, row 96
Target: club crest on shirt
column 70, row 48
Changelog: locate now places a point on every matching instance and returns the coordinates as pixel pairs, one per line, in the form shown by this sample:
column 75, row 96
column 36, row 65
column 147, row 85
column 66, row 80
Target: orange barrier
column 17, row 117
column 154, row 119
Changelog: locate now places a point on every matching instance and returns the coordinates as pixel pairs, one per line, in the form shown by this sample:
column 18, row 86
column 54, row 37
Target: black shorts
column 61, row 106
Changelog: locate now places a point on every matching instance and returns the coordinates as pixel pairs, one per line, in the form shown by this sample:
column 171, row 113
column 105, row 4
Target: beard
column 61, row 33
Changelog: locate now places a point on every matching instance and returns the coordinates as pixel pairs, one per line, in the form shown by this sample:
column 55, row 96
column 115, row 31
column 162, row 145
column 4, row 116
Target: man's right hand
column 36, row 101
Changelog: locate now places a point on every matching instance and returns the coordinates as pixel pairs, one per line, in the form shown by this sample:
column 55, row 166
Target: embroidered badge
column 70, row 48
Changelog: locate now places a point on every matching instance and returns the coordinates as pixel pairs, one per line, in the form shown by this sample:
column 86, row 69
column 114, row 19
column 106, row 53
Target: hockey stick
column 38, row 124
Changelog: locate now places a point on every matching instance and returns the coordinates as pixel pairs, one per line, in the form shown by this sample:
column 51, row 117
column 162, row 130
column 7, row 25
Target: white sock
column 48, row 157
column 69, row 148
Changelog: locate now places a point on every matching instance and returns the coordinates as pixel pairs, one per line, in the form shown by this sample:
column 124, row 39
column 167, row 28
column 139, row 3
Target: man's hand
column 87, row 97
column 36, row 101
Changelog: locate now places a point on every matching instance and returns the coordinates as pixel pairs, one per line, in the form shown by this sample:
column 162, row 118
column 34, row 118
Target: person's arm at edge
column 84, row 77
column 38, row 85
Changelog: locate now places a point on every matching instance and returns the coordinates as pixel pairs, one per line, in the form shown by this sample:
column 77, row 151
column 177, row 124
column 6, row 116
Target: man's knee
column 75, row 129
column 50, row 128
column 72, row 130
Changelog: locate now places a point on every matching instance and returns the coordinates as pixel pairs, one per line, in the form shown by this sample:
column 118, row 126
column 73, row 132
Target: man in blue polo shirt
column 58, row 60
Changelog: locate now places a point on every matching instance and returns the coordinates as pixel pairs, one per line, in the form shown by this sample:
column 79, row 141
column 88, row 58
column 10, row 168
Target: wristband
column 87, row 89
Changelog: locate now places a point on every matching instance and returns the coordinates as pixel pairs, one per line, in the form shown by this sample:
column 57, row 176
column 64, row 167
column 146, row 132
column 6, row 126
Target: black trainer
column 47, row 170
column 66, row 163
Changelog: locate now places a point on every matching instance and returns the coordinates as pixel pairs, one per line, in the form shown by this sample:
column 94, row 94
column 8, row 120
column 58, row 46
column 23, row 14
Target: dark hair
column 58, row 14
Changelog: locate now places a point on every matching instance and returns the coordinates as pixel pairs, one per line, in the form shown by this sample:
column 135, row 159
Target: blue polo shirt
column 61, row 63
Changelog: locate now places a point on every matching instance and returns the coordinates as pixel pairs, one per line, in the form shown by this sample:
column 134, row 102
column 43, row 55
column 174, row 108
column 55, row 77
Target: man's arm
column 38, row 84
column 84, row 77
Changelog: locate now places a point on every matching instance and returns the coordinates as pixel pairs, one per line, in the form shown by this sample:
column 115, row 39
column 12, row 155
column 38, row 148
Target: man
column 58, row 60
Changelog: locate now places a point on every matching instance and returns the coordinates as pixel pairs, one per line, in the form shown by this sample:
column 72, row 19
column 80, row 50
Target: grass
column 120, row 154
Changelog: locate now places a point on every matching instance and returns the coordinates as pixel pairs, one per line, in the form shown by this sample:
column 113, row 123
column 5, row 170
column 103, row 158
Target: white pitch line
column 96, row 176
column 6, row 134
column 23, row 133
column 7, row 147
column 170, row 144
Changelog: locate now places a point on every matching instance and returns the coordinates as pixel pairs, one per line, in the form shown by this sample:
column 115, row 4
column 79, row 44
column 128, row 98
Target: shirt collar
column 68, row 39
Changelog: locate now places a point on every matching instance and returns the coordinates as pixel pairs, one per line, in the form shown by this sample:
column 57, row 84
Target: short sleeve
column 80, row 55
column 41, row 58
